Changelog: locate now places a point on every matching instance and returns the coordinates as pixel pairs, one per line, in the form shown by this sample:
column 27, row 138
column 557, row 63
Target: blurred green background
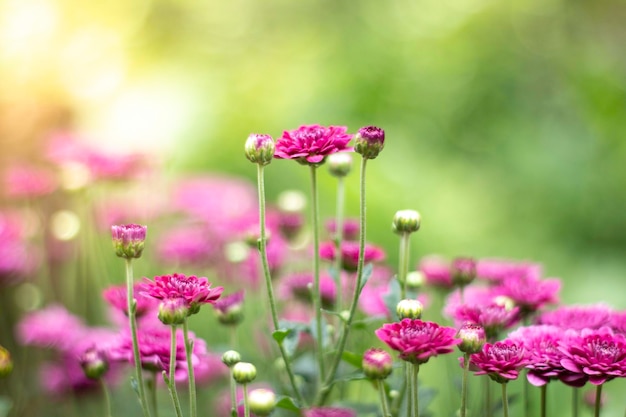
column 505, row 121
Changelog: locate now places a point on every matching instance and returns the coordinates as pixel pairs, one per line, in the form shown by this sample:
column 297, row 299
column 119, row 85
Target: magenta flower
column 311, row 144
column 498, row 270
column 195, row 291
column 596, row 354
column 187, row 245
column 618, row 322
column 300, row 286
column 350, row 228
column 417, row 340
column 377, row 363
column 350, row 254
column 18, row 257
column 29, row 182
column 116, row 296
column 502, row 361
column 577, row 317
column 52, row 326
column 493, row 317
column 530, row 293
column 128, row 240
column 436, row 271
column 328, row 412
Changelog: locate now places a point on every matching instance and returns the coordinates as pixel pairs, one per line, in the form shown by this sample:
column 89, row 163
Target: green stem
column 416, row 405
column 190, row 373
column 233, row 395
column 488, row 409
column 466, row 362
column 268, row 279
column 408, row 378
column 383, row 398
column 544, row 389
column 107, row 397
column 132, row 307
column 338, row 241
column 317, row 300
column 596, row 410
column 341, row 345
column 403, row 269
column 574, row 402
column 171, row 381
column 153, row 393
column 505, row 401
column 246, row 407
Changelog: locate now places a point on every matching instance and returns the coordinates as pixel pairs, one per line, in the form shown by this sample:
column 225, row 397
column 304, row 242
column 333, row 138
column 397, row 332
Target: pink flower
column 530, row 293
column 128, row 240
column 372, row 300
column 502, row 361
column 493, row 317
column 195, row 291
column 18, row 258
column 300, row 286
column 29, row 181
column 52, row 326
column 188, row 245
column 498, row 270
column 436, row 271
column 418, row 341
column 596, row 354
column 618, row 322
column 328, row 412
column 116, row 296
column 311, row 144
column 350, row 254
column 350, row 228
column 577, row 317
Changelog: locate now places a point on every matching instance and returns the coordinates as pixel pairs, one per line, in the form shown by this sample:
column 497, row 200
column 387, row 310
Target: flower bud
column 369, row 141
column 504, row 301
column 6, row 364
column 406, row 221
column 473, row 338
column 262, row 401
column 128, row 240
column 230, row 358
column 244, row 372
column 463, row 271
column 94, row 363
column 260, row 149
column 173, row 311
column 339, row 164
column 377, row 363
column 409, row 309
column 229, row 309
column 415, row 280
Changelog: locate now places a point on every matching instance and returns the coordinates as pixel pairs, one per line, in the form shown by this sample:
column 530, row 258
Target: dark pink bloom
column 596, row 354
column 28, row 181
column 493, row 317
column 530, row 293
column 350, row 228
column 498, row 270
column 502, row 361
column 116, row 296
column 300, row 286
column 195, row 291
column 577, row 317
column 228, row 302
column 328, row 412
column 618, row 322
column 436, row 271
column 128, row 240
column 417, row 340
column 350, row 254
column 311, row 144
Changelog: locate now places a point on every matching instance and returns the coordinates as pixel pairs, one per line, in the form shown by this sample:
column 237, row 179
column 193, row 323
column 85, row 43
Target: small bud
column 369, row 141
column 244, row 372
column 463, row 271
column 415, row 280
column 260, row 149
column 344, row 315
column 473, row 338
column 339, row 164
column 406, row 221
column 504, row 301
column 377, row 363
column 128, row 240
column 173, row 311
column 94, row 363
column 6, row 364
column 229, row 309
column 230, row 358
column 409, row 309
column 262, row 401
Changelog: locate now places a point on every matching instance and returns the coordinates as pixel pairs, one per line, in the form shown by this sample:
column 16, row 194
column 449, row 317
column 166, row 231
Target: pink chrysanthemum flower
column 502, row 361
column 187, row 245
column 128, row 240
column 530, row 293
column 618, row 322
column 300, row 286
column 417, row 340
column 372, row 300
column 329, row 412
column 493, row 317
column 195, row 291
column 116, row 296
column 498, row 270
column 598, row 354
column 28, row 181
column 577, row 317
column 229, row 308
column 52, row 326
column 436, row 271
column 311, row 144
column 350, row 228
column 18, row 258
column 350, row 254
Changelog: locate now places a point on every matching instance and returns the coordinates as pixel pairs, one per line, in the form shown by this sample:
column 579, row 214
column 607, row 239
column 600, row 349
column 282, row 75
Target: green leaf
column 287, row 403
column 325, row 335
column 365, row 276
column 288, row 335
column 352, row 358
column 280, row 335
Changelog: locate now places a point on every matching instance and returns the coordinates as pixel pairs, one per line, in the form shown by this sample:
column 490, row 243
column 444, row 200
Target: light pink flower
column 350, row 254
column 195, row 291
column 116, row 296
column 18, row 258
column 311, row 144
column 502, row 361
column 350, row 228
column 51, row 327
column 300, row 286
column 577, row 317
column 417, row 340
column 436, row 271
column 26, row 181
column 498, row 270
column 188, row 246
column 530, row 293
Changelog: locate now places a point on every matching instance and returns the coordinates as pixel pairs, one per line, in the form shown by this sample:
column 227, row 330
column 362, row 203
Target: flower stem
column 132, row 307
column 544, row 389
column 487, row 385
column 466, row 362
column 341, row 344
column 505, row 401
column 574, row 402
column 268, row 279
column 246, row 407
column 171, row 381
column 339, row 213
column 107, row 397
column 408, row 383
column 404, row 263
column 151, row 383
column 233, row 395
column 190, row 373
column 317, row 301
column 596, row 410
column 416, row 407
column 383, row 398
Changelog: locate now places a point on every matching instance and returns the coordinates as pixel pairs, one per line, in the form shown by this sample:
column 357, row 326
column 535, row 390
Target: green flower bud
column 244, row 372
column 406, row 221
column 128, row 240
column 262, row 401
column 463, row 271
column 473, row 338
column 339, row 164
column 173, row 311
column 415, row 280
column 260, row 149
column 369, row 141
column 94, row 363
column 409, row 309
column 230, row 358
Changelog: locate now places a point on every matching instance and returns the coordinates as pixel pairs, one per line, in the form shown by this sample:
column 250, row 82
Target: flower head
column 193, row 290
column 350, row 254
column 117, row 295
column 577, row 317
column 473, row 337
column 128, row 240
column 350, row 228
column 229, row 308
column 369, row 141
column 530, row 293
column 502, row 361
column 377, row 363
column 94, row 363
column 262, row 401
column 463, row 271
column 406, row 221
column 436, row 271
column 418, row 341
column 260, row 149
column 311, row 144
column 299, row 286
